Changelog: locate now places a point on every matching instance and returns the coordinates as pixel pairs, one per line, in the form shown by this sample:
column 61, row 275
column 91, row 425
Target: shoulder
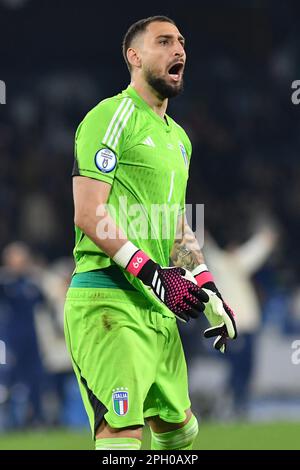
column 110, row 112
column 119, row 106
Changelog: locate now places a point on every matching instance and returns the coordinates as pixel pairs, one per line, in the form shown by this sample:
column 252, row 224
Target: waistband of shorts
column 110, row 277
column 95, row 294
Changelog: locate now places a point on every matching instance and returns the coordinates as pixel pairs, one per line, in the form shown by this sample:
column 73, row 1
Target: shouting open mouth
column 176, row 71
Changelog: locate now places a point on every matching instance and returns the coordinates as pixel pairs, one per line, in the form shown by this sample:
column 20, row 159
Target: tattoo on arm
column 186, row 252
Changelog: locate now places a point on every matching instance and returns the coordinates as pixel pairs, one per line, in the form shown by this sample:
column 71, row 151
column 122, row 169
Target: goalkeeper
column 120, row 325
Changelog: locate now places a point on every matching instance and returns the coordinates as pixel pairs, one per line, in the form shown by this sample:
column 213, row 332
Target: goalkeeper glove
column 181, row 295
column 218, row 313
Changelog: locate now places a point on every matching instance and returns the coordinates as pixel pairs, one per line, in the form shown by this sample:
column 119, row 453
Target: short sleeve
column 187, row 149
column 101, row 138
column 182, row 203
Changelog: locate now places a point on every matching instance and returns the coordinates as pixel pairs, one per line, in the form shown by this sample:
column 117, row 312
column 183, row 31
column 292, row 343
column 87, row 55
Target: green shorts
column 127, row 357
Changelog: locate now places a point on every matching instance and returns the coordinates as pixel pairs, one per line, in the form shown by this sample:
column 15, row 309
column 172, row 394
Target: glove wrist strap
column 136, row 262
column 202, row 275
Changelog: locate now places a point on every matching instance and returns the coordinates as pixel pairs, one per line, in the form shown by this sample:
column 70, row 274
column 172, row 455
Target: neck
column 158, row 105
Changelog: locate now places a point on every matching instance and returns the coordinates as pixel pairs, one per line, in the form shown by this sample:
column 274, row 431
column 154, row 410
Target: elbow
column 79, row 220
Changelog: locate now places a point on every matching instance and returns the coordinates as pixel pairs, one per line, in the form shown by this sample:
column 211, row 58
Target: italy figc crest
column 120, row 401
column 184, row 154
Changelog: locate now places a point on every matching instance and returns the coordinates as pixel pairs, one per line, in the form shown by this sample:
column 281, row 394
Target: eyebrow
column 171, row 36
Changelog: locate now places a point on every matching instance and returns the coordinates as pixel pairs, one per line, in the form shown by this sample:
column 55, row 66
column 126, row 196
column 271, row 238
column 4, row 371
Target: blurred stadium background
column 58, row 59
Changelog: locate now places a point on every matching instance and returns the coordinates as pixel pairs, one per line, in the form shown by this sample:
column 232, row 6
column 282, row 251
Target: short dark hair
column 137, row 28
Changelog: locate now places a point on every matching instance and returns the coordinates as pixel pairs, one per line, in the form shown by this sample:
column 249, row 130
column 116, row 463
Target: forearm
column 186, row 252
column 92, row 217
column 99, row 226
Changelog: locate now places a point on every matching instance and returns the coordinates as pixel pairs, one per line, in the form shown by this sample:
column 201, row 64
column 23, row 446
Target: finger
column 194, row 313
column 220, row 344
column 230, row 321
column 231, row 328
column 230, row 325
column 183, row 317
column 191, row 310
column 199, row 306
column 200, row 294
column 215, row 331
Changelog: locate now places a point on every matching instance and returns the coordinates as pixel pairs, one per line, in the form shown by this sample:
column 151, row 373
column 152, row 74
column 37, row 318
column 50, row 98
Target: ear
column 133, row 57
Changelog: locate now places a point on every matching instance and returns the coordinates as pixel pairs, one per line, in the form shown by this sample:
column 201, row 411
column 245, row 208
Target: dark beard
column 163, row 89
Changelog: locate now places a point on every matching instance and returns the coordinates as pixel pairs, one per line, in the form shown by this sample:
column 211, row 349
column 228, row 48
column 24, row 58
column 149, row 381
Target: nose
column 179, row 50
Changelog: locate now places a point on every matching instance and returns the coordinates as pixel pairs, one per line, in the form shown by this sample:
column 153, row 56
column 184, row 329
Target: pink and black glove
column 218, row 313
column 182, row 296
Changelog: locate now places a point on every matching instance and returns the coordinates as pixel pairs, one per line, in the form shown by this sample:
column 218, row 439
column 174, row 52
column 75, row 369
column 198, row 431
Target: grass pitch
column 233, row 436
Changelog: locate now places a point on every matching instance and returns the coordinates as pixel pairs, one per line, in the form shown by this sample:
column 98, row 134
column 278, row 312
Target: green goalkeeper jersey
column 145, row 158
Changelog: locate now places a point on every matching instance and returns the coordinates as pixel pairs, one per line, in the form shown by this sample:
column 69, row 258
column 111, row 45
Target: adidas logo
column 149, row 142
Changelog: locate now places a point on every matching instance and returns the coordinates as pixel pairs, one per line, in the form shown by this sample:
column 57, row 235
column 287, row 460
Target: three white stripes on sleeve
column 117, row 123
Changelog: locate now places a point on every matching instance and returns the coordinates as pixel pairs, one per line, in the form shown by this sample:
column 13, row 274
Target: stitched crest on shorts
column 120, row 398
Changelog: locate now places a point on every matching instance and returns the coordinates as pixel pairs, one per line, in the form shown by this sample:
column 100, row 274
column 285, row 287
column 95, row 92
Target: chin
column 168, row 90
column 175, row 90
column 164, row 88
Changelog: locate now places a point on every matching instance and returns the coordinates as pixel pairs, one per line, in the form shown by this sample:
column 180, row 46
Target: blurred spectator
column 233, row 269
column 22, row 377
column 66, row 406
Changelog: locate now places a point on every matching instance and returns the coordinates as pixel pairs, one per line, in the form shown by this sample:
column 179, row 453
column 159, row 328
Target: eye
column 163, row 41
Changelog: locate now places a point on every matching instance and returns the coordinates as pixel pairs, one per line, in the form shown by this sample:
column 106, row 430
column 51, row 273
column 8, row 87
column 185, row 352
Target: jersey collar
column 166, row 122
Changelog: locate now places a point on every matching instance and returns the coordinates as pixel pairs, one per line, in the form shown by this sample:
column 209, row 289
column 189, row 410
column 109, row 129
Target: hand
column 182, row 296
column 221, row 319
column 175, row 287
column 218, row 313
